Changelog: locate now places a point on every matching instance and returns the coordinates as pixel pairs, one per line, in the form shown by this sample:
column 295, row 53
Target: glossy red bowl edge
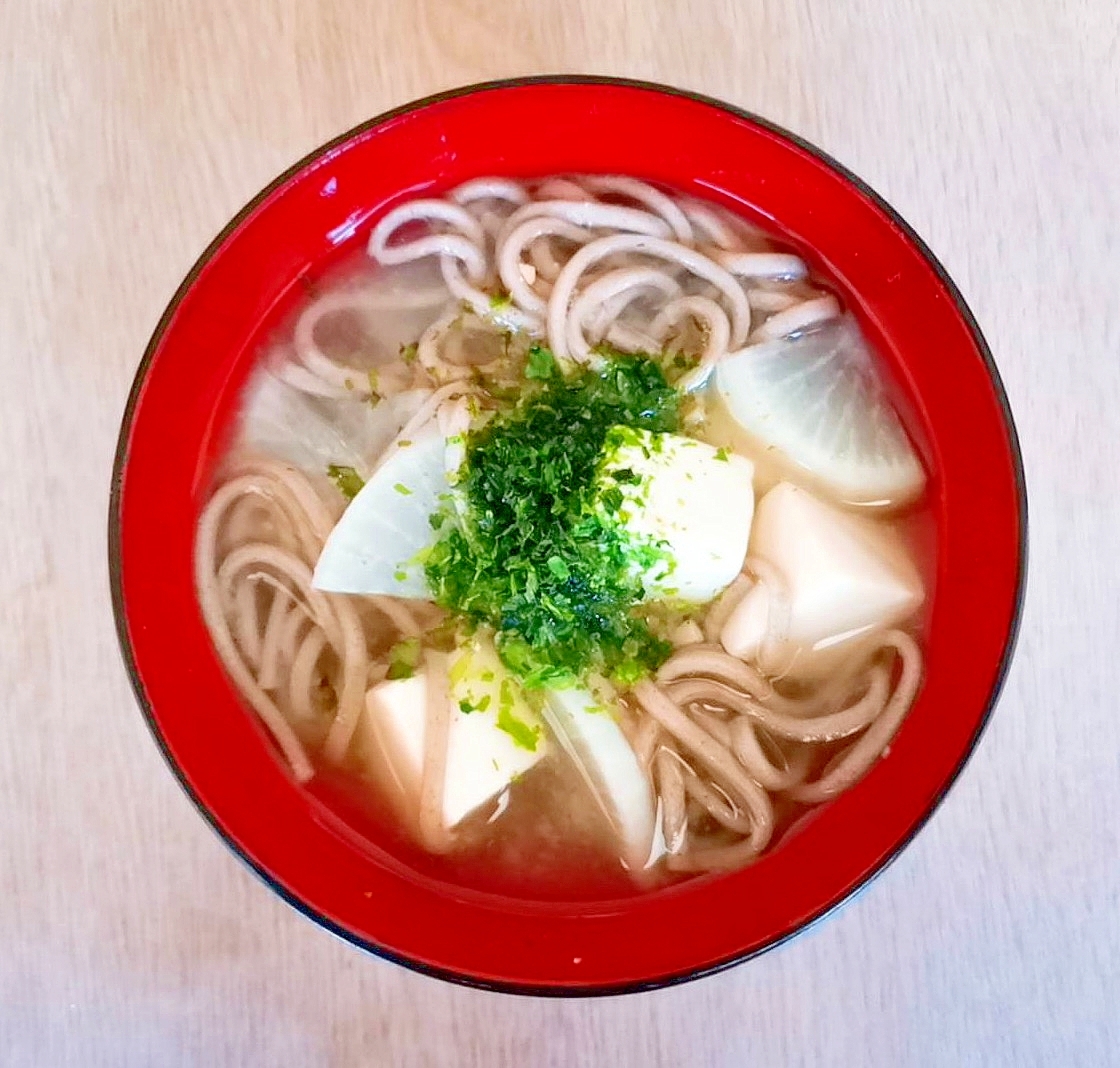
column 646, row 976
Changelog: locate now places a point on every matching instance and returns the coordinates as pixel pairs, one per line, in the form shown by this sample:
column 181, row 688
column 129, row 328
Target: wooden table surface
column 133, row 129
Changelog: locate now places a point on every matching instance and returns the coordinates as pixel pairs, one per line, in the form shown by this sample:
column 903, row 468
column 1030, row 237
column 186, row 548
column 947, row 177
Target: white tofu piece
column 379, row 543
column 585, row 727
column 488, row 747
column 393, row 728
column 501, row 737
column 845, row 578
column 685, row 498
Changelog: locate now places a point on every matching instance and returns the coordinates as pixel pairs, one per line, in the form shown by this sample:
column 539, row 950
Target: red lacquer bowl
column 179, row 414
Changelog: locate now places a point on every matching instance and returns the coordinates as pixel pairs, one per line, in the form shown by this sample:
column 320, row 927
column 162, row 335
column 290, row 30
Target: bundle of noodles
column 723, row 745
column 301, row 657
column 600, row 259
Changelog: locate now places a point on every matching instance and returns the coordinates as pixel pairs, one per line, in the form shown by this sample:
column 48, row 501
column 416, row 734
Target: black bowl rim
column 308, row 910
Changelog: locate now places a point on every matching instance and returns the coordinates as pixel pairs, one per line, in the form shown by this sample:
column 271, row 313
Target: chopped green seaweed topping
column 348, row 481
column 534, row 558
column 523, row 735
column 404, row 659
column 500, row 300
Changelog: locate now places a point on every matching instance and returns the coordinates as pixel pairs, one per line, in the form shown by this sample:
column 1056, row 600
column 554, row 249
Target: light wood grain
column 133, row 130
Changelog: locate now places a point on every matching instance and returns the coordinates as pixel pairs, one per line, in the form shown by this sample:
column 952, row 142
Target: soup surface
column 570, row 541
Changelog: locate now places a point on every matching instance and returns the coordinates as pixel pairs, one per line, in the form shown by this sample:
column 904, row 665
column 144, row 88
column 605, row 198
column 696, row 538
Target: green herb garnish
column 559, row 568
column 522, row 734
column 404, row 659
column 540, row 363
column 534, row 559
column 348, row 481
column 500, row 300
column 469, row 704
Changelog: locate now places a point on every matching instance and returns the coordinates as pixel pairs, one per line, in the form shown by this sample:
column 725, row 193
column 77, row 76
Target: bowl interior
column 181, row 412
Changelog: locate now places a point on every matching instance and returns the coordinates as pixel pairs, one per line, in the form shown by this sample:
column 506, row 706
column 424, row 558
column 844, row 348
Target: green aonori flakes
column 533, row 558
column 523, row 734
column 348, row 481
column 500, row 300
column 404, row 659
column 540, row 364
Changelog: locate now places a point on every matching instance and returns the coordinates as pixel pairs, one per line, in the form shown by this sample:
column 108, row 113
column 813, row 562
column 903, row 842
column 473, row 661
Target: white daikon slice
column 819, row 401
column 586, row 729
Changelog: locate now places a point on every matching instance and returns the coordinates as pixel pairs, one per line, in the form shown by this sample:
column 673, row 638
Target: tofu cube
column 494, row 735
column 845, row 577
column 681, row 501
